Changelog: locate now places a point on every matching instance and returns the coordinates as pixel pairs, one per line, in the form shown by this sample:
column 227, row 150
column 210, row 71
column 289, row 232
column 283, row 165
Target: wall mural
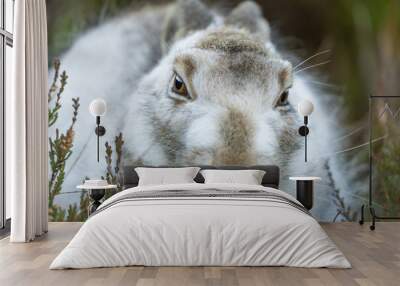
column 189, row 83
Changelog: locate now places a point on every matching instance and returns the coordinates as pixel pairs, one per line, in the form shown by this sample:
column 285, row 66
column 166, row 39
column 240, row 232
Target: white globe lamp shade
column 305, row 108
column 98, row 107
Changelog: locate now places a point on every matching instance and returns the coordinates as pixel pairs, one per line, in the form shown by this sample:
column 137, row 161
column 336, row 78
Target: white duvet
column 200, row 231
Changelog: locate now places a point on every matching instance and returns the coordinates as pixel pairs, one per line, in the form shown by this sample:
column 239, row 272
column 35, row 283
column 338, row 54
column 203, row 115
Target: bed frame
column 130, row 178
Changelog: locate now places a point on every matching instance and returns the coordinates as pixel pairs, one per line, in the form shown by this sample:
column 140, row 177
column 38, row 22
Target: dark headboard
column 271, row 177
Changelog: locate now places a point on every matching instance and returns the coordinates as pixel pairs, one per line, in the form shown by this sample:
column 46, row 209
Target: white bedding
column 200, row 231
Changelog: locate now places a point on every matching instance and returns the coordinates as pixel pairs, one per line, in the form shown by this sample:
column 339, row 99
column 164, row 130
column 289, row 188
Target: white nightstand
column 96, row 193
column 304, row 190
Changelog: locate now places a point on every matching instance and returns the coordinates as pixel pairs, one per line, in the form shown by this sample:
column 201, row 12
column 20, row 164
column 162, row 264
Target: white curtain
column 27, row 123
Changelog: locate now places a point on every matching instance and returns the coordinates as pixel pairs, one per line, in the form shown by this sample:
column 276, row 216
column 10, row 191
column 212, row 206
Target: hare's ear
column 248, row 15
column 185, row 16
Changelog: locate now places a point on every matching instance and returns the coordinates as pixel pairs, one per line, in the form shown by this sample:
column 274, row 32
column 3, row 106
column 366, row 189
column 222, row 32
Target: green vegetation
column 387, row 173
column 60, row 146
column 113, row 174
column 60, row 150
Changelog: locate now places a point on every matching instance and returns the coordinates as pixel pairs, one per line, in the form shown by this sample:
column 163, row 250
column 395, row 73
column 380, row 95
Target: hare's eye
column 179, row 87
column 283, row 99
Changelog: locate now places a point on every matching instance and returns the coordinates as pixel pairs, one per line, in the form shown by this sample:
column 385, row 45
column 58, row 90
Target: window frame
column 6, row 39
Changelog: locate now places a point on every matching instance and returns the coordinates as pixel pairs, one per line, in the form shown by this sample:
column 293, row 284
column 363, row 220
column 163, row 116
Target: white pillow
column 165, row 176
column 248, row 177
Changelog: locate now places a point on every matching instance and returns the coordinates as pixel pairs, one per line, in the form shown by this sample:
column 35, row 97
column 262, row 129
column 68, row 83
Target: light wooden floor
column 375, row 257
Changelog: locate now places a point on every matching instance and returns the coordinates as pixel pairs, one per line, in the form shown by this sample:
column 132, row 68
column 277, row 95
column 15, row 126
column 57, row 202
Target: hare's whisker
column 352, row 148
column 309, row 58
column 351, row 133
column 312, row 66
column 324, row 83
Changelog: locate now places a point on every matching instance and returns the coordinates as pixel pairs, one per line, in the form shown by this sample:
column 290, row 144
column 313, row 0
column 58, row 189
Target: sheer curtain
column 27, row 123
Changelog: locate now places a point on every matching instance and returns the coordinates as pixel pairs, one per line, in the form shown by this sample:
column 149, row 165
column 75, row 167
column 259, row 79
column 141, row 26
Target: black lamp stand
column 303, row 131
column 100, row 131
column 96, row 195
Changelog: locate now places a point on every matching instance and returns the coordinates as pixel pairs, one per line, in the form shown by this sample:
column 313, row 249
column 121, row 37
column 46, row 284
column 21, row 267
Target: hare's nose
column 237, row 133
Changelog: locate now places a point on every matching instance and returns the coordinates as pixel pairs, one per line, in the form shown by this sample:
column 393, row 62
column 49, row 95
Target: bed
column 198, row 224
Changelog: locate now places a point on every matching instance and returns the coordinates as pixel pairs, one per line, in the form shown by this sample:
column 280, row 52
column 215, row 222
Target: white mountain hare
column 188, row 86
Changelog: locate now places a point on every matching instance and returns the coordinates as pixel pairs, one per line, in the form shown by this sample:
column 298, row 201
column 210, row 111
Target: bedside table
column 95, row 194
column 305, row 190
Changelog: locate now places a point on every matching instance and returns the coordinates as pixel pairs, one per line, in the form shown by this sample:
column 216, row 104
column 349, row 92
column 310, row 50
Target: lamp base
column 303, row 130
column 95, row 195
